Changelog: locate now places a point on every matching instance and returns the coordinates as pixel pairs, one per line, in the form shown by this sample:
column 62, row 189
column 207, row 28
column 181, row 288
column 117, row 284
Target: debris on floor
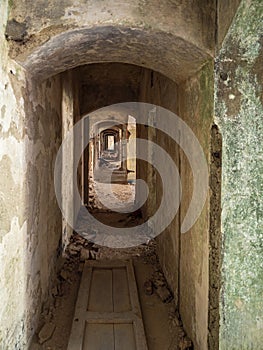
column 180, row 340
column 46, row 332
column 161, row 287
column 148, row 287
column 57, row 315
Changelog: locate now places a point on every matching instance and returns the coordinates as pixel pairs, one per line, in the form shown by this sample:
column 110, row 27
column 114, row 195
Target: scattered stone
column 64, row 275
column 84, row 254
column 175, row 318
column 93, row 255
column 79, row 239
column 159, row 279
column 164, row 293
column 61, row 289
column 95, row 248
column 185, row 344
column 70, row 267
column 58, row 302
column 148, row 287
column 54, row 291
column 73, row 249
column 46, row 332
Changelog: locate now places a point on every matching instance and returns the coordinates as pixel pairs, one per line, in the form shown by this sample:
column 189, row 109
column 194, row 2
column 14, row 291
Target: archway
column 187, row 91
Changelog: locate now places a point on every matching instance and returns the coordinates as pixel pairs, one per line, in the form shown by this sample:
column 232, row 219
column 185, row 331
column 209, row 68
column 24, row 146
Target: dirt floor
column 161, row 319
column 115, row 196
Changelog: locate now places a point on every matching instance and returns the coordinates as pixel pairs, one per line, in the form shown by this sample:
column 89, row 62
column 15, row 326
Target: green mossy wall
column 239, row 114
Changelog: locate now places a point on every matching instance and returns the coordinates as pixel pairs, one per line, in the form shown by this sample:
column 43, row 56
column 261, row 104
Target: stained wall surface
column 50, row 39
column 239, row 114
column 176, row 39
column 30, row 137
column 13, row 226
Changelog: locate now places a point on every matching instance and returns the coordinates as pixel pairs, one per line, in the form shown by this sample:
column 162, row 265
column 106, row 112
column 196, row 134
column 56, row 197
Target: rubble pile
column 180, row 340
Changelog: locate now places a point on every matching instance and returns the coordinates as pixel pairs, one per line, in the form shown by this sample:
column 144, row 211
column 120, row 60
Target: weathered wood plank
column 101, row 298
column 138, row 323
column 79, row 320
column 99, row 337
column 121, row 294
column 108, row 314
column 124, row 337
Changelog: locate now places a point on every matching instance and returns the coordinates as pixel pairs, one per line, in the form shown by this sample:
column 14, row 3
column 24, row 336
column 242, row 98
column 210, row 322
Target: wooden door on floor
column 107, row 314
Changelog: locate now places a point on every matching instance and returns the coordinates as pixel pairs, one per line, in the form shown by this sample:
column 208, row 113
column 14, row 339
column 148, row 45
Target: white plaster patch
column 12, row 282
column 15, row 151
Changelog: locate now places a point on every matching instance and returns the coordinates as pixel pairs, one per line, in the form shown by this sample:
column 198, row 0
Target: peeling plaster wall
column 13, row 227
column 42, row 137
column 239, row 114
column 30, row 132
column 196, row 109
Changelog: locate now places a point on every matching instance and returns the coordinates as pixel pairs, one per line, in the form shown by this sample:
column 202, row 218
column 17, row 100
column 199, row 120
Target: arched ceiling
column 159, row 51
column 172, row 37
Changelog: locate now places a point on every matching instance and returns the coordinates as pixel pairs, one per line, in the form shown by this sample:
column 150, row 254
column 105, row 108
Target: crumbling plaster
column 13, row 226
column 29, row 137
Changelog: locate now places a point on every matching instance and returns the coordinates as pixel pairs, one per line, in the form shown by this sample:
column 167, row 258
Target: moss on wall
column 239, row 115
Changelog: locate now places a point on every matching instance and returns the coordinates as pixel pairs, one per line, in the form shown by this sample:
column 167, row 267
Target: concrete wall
column 43, row 218
column 184, row 257
column 159, row 90
column 53, row 38
column 30, row 136
column 196, row 109
column 239, row 116
column 105, row 84
column 69, row 112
